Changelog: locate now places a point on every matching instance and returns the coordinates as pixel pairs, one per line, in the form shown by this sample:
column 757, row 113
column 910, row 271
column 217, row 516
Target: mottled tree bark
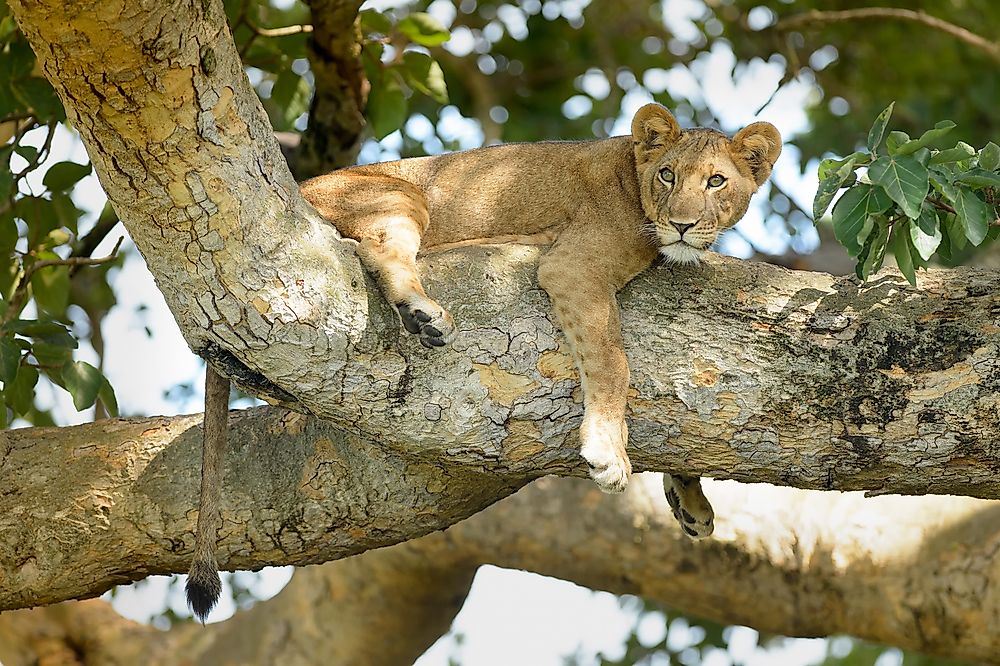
column 917, row 572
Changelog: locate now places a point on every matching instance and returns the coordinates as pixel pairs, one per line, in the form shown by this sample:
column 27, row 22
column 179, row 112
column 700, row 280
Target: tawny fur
column 604, row 207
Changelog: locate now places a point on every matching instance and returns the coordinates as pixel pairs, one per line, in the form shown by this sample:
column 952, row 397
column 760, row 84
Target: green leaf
column 19, row 59
column 37, row 94
column 83, row 381
column 989, row 157
column 386, row 107
column 424, row 75
column 290, row 95
column 107, row 396
column 904, row 179
column 29, row 153
column 49, row 331
column 900, row 244
column 8, row 238
column 47, row 353
column 878, row 128
column 10, row 359
column 979, row 178
column 895, row 140
column 962, row 151
column 423, row 29
column 954, row 232
column 974, row 214
column 67, row 213
column 928, row 137
column 853, row 210
column 830, row 184
column 50, row 287
column 21, row 395
column 873, row 252
column 829, row 165
column 6, row 180
column 925, row 233
column 62, row 176
column 375, row 21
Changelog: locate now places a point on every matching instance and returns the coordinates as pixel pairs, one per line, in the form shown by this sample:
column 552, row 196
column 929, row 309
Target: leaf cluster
column 395, row 74
column 41, row 247
column 906, row 196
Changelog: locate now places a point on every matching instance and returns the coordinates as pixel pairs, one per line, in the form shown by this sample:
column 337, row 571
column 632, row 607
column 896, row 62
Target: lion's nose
column 681, row 228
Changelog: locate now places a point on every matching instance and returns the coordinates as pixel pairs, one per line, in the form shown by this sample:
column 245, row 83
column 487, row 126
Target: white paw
column 689, row 505
column 602, row 445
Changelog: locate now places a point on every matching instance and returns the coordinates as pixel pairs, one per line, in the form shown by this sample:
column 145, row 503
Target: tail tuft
column 203, row 587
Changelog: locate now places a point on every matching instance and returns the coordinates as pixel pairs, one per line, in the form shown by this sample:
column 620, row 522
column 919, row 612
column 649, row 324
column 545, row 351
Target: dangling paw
column 427, row 319
column 602, row 445
column 689, row 504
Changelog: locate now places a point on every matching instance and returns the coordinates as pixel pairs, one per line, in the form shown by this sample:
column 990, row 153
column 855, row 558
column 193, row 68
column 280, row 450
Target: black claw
column 437, row 342
column 421, row 316
column 688, row 518
column 410, row 322
column 431, row 331
column 690, row 531
column 426, row 343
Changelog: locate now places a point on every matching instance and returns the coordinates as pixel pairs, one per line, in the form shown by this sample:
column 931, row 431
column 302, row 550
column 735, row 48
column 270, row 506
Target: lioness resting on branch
column 605, row 208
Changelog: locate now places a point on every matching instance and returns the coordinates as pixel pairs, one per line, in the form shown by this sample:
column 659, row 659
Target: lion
column 605, row 209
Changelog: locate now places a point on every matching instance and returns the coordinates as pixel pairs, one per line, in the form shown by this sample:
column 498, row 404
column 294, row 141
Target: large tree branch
column 91, row 506
column 918, row 572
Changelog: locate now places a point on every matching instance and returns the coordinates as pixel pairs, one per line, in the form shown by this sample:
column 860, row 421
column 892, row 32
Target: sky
column 550, row 619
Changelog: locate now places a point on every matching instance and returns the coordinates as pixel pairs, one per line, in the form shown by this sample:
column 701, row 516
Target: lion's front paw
column 428, row 320
column 690, row 506
column 602, row 445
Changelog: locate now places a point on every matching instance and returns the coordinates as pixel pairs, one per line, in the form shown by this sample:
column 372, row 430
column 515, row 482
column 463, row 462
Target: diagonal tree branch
column 819, row 17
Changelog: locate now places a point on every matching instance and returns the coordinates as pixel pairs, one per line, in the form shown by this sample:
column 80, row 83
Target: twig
column 816, row 16
column 941, row 205
column 17, row 300
column 279, row 32
column 73, row 261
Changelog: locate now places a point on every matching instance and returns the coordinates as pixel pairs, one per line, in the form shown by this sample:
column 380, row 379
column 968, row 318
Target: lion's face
column 696, row 183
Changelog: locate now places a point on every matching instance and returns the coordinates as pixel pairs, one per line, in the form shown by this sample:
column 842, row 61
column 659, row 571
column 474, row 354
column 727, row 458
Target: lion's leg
column 582, row 273
column 388, row 217
column 690, row 506
column 389, row 251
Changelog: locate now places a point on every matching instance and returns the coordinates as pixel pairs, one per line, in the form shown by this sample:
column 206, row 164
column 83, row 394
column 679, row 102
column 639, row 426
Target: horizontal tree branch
column 917, row 572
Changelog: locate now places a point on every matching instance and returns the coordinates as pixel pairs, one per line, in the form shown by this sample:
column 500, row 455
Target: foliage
column 40, row 281
column 921, row 202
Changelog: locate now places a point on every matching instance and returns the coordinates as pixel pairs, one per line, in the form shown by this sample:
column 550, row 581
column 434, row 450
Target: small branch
column 941, row 205
column 74, row 261
column 20, row 295
column 279, row 32
column 816, row 17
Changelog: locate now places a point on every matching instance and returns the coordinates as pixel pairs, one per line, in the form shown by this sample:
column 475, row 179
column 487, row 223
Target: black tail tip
column 203, row 589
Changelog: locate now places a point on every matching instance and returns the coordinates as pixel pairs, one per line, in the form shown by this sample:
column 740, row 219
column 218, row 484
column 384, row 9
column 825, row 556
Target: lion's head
column 695, row 183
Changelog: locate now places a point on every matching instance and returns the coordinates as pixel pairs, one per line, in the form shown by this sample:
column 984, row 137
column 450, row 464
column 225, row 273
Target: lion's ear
column 653, row 130
column 759, row 144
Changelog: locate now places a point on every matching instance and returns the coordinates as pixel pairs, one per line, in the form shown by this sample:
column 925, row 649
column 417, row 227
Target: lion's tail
column 203, row 584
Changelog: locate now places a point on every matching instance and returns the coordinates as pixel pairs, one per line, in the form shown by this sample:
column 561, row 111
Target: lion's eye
column 717, row 180
column 666, row 175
